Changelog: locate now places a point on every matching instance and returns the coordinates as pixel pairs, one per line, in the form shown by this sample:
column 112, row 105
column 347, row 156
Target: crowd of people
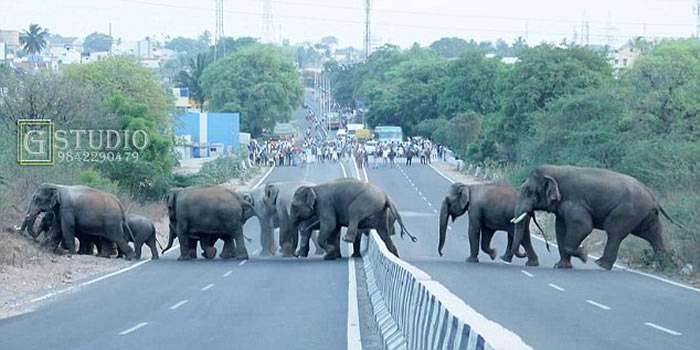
column 318, row 147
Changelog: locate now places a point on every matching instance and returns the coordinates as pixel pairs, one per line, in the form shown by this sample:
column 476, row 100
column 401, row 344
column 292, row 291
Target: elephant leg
column 207, row 245
column 327, row 229
column 386, row 238
column 137, row 249
column 333, row 250
column 351, row 232
column 188, row 247
column 87, row 245
column 570, row 234
column 289, row 238
column 267, row 237
column 229, row 250
column 104, row 246
column 617, row 228
column 356, row 247
column 486, row 236
column 306, row 233
column 68, row 231
column 532, row 259
column 241, row 251
column 474, row 232
column 651, row 231
column 122, row 244
column 612, row 245
column 317, row 245
column 152, row 245
column 508, row 254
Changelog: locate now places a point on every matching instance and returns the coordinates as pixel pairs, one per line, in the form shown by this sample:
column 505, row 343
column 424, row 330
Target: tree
column 187, row 45
column 191, row 77
column 97, row 42
column 329, row 40
column 260, row 81
column 470, row 84
column 33, row 41
column 450, row 47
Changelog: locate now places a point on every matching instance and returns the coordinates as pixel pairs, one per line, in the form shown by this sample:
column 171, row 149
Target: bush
column 94, row 179
column 224, row 168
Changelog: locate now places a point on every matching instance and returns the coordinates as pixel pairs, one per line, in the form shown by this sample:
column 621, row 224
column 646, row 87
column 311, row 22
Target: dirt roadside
column 28, row 273
column 594, row 243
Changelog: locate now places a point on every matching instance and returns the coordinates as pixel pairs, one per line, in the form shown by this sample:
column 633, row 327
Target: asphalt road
column 582, row 308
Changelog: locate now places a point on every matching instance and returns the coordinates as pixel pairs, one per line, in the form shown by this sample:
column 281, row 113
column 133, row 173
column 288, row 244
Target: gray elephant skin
column 490, row 208
column 207, row 214
column 81, row 211
column 272, row 205
column 144, row 233
column 345, row 203
column 586, row 198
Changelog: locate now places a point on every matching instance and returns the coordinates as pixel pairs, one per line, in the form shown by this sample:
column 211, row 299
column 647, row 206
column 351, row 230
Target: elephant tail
column 395, row 212
column 128, row 230
column 155, row 236
column 668, row 217
column 546, row 241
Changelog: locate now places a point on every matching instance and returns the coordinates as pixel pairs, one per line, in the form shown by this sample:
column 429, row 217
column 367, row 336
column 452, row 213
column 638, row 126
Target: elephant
column 272, row 206
column 144, row 233
column 346, row 202
column 586, row 198
column 490, row 208
column 206, row 214
column 81, row 211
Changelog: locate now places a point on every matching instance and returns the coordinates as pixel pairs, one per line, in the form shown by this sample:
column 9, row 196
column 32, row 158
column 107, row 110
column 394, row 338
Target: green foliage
column 224, row 168
column 259, row 79
column 33, row 40
column 470, row 84
column 450, row 47
column 187, row 45
column 97, row 42
column 191, row 77
column 94, row 179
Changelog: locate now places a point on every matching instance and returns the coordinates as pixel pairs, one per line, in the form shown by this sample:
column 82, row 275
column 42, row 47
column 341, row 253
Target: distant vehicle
column 285, row 130
column 362, row 134
column 388, row 134
column 352, row 129
column 371, row 146
column 334, row 120
column 341, row 134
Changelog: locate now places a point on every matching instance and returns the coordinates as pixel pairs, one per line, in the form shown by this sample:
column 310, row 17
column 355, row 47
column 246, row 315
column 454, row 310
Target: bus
column 388, row 134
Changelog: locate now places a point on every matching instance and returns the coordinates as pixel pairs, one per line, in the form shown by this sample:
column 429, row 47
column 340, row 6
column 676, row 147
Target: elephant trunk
column 444, row 213
column 171, row 238
column 29, row 220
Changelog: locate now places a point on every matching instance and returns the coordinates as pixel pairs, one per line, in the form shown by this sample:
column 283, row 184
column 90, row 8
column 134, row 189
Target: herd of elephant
column 582, row 199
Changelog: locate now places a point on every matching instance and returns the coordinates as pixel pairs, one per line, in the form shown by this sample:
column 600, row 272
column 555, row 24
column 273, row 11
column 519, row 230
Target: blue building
column 207, row 134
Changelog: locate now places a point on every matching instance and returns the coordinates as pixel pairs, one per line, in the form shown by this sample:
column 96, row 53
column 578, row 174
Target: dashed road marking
column 178, row 304
column 242, row 262
column 663, row 329
column 449, row 228
column 435, row 211
column 599, row 305
column 430, row 204
column 228, row 273
column 556, row 287
column 207, row 286
column 134, row 328
column 526, row 273
column 420, row 194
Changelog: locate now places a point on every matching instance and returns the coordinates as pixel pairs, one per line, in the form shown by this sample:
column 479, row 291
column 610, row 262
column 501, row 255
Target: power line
column 405, row 25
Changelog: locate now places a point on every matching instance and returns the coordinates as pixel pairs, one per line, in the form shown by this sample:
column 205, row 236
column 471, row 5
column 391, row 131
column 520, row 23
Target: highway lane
column 261, row 303
column 583, row 308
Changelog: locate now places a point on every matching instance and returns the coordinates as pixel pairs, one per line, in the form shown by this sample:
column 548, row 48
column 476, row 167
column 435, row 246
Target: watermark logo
column 36, row 142
column 40, row 143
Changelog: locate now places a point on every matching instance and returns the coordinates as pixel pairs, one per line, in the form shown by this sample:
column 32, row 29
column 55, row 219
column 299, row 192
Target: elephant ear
column 271, row 193
column 55, row 200
column 309, row 197
column 551, row 189
column 248, row 198
column 464, row 196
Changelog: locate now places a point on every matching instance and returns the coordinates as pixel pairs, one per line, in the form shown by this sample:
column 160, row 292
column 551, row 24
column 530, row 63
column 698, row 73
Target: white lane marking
column 441, row 174
column 604, row 307
column 425, row 199
column 207, row 286
column 342, row 167
column 140, row 325
column 663, row 329
column 435, row 211
column 242, row 262
column 228, row 273
column 628, row 269
column 354, row 338
column 449, row 228
column 87, row 283
column 556, row 287
column 178, row 304
column 430, row 204
column 264, row 177
column 420, row 194
column 527, row 273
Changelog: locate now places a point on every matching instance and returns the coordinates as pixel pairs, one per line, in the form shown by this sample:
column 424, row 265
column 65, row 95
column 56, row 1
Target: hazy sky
column 401, row 22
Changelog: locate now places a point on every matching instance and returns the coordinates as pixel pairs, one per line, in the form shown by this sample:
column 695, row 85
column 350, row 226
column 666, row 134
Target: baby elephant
column 144, row 232
column 489, row 207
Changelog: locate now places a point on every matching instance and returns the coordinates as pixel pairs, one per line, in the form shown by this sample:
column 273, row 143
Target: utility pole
column 367, row 41
column 268, row 31
column 697, row 19
column 219, row 45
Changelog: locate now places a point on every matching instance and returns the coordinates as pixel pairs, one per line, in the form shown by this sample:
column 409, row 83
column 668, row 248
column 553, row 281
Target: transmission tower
column 697, row 19
column 268, row 31
column 367, row 41
column 219, row 45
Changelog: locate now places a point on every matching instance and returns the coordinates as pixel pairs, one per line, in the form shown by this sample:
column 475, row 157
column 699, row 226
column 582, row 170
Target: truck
column 388, row 133
column 334, row 120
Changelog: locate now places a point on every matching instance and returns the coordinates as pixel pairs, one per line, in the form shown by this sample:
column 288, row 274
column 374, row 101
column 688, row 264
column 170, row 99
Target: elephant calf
column 490, row 209
column 144, row 233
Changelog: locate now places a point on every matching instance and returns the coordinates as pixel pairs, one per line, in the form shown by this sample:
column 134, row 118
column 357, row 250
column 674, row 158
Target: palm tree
column 34, row 39
column 191, row 76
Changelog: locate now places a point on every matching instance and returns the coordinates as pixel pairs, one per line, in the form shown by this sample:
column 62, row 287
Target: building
column 208, row 134
column 623, row 57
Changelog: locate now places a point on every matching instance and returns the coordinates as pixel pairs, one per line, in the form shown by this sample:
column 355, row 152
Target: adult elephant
column 490, row 208
column 345, row 202
column 207, row 214
column 586, row 198
column 273, row 204
column 81, row 210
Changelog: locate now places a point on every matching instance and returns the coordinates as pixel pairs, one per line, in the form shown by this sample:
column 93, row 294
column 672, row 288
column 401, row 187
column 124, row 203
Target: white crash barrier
column 415, row 312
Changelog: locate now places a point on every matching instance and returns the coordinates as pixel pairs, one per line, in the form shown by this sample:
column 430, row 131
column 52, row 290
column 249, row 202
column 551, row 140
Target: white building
column 623, row 57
